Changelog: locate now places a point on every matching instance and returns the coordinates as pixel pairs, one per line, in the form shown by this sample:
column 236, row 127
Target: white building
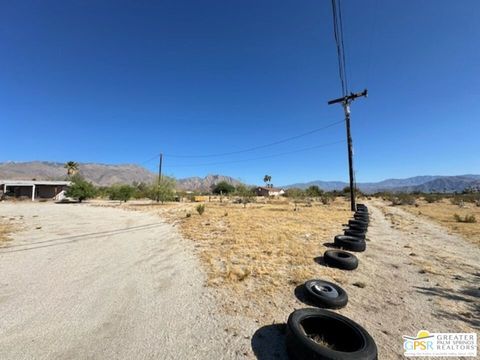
column 33, row 189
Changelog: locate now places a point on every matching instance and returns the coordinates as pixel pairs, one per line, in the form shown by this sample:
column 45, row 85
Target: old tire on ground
column 358, row 222
column 340, row 259
column 326, row 294
column 351, row 243
column 347, row 339
column 362, row 207
column 357, row 228
column 360, row 234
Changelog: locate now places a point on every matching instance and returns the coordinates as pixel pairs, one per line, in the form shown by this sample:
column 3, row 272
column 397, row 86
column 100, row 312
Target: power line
column 338, row 34
column 262, row 157
column 258, row 147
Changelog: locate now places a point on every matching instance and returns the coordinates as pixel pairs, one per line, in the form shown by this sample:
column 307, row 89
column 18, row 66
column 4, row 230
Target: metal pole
column 346, row 108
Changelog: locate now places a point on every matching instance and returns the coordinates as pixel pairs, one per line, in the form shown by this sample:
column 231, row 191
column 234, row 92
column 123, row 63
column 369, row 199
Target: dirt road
column 413, row 276
column 84, row 282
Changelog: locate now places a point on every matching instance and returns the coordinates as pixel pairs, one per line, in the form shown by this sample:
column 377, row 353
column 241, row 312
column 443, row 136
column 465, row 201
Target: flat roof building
column 42, row 189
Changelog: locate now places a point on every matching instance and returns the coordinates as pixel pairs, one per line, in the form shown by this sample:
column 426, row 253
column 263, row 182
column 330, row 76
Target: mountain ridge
column 109, row 174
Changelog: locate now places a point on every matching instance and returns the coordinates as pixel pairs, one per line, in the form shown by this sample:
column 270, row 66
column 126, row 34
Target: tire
column 350, row 341
column 362, row 207
column 357, row 228
column 361, row 216
column 359, row 223
column 325, row 294
column 350, row 243
column 340, row 259
column 355, row 233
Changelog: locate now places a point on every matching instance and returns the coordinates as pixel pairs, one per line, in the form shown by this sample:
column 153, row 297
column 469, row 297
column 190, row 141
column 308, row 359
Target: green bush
column 162, row 191
column 80, row 189
column 223, row 188
column 313, row 191
column 121, row 192
column 200, row 209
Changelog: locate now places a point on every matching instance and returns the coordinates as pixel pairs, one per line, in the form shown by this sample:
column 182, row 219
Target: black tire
column 358, row 228
column 340, row 259
column 325, row 294
column 362, row 207
column 360, row 234
column 359, row 223
column 349, row 340
column 361, row 216
column 350, row 243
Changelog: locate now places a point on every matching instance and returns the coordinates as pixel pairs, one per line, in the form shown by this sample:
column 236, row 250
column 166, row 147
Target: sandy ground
column 139, row 294
column 82, row 282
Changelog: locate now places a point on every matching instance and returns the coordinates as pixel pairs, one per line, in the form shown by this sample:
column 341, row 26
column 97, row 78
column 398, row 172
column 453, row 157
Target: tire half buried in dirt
column 317, row 334
column 351, row 243
column 325, row 294
column 340, row 259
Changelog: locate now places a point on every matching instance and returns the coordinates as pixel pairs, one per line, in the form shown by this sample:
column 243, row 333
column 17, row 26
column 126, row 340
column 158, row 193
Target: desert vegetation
column 459, row 213
column 257, row 250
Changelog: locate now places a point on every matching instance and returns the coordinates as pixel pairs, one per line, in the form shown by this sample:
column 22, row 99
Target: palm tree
column 72, row 168
column 267, row 179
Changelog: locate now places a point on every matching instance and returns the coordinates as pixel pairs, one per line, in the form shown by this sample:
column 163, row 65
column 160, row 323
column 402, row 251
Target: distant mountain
column 418, row 183
column 324, row 185
column 99, row 174
column 204, row 184
column 102, row 174
column 105, row 174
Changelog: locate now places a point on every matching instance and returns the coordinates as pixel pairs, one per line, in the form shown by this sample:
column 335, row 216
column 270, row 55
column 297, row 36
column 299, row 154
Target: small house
column 268, row 191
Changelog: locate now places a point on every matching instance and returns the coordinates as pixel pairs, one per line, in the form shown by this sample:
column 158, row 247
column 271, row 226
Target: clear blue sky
column 120, row 81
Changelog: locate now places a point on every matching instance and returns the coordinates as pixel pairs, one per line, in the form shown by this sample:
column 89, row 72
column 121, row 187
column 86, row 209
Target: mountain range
column 107, row 174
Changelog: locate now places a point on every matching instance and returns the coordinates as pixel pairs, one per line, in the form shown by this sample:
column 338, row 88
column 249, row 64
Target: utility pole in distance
column 346, row 100
column 159, row 176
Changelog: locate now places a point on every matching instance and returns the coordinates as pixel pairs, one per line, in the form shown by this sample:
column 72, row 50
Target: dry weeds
column 261, row 250
column 443, row 212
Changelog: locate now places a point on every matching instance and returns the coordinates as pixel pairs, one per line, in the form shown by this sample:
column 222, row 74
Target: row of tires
column 316, row 333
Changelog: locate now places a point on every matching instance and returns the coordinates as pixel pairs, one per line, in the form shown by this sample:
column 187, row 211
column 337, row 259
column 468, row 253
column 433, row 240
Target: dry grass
column 261, row 250
column 443, row 212
column 5, row 230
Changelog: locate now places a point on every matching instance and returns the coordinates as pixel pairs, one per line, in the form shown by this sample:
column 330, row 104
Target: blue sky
column 120, row 81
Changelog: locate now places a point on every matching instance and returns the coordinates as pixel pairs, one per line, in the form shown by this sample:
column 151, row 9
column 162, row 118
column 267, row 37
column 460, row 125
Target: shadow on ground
column 330, row 245
column 470, row 295
column 268, row 342
column 320, row 260
column 301, row 295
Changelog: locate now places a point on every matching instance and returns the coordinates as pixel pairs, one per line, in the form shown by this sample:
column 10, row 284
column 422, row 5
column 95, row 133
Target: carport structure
column 32, row 188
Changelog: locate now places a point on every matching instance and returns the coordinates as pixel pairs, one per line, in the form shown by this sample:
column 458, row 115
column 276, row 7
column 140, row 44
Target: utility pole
column 159, row 176
column 346, row 100
column 160, row 168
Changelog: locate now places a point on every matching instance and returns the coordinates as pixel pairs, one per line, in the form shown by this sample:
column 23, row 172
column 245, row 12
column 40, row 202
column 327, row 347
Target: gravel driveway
column 103, row 283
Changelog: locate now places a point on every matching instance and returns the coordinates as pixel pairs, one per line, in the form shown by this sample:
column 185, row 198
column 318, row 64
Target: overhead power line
column 338, row 33
column 257, row 147
column 262, row 157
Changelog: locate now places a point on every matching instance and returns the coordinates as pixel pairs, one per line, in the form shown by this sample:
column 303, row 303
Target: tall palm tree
column 72, row 168
column 267, row 179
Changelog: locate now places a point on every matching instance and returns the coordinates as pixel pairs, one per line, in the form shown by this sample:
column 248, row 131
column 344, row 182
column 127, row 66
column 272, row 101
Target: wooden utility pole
column 346, row 100
column 159, row 176
column 160, row 168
